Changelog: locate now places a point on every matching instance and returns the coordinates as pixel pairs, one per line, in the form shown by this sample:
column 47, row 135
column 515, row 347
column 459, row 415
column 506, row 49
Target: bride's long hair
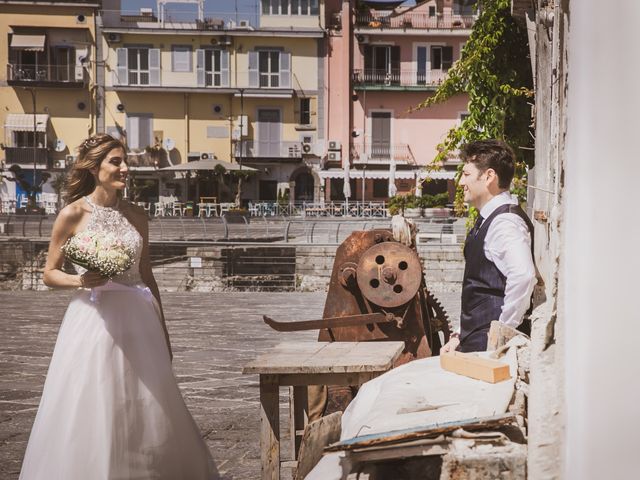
column 80, row 181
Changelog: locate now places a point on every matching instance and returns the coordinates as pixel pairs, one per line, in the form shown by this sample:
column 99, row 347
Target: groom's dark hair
column 494, row 154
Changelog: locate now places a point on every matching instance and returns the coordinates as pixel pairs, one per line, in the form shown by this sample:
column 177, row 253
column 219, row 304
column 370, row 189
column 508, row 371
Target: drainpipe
column 186, row 124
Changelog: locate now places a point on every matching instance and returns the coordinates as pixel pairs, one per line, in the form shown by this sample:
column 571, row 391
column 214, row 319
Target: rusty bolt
column 348, row 277
column 390, row 275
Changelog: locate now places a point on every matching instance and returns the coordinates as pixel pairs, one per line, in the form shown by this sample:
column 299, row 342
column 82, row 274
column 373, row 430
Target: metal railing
column 44, row 73
column 398, row 77
column 24, row 155
column 379, row 152
column 265, row 230
column 414, row 20
column 268, row 149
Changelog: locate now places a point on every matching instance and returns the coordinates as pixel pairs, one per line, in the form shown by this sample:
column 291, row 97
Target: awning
column 23, row 122
column 208, row 164
column 378, row 174
column 28, row 42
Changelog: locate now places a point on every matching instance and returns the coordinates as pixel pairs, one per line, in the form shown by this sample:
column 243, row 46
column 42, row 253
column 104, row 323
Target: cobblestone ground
column 213, row 336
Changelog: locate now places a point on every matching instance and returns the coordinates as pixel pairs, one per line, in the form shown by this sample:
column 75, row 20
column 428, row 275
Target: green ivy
column 495, row 72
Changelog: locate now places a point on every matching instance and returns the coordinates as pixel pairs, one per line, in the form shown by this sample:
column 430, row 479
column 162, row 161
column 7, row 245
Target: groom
column 499, row 274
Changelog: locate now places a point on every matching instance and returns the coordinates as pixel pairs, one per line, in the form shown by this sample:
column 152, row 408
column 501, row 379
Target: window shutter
column 447, row 57
column 200, row 67
column 133, row 135
column 253, row 69
column 122, row 75
column 224, row 68
column 285, row 70
column 154, row 66
column 368, row 57
column 395, row 59
column 144, row 129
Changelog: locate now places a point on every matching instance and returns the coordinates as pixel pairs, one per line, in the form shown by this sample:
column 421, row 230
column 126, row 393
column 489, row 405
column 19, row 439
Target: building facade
column 317, row 91
column 46, row 88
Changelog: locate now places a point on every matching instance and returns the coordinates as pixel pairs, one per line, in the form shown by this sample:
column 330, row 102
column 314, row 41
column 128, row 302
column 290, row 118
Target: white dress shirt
column 508, row 246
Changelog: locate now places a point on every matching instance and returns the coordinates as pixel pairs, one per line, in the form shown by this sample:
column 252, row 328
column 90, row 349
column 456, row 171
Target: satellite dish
column 169, row 143
column 60, row 145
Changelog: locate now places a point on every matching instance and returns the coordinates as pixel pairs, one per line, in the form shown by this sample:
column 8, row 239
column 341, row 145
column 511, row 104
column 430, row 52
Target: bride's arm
column 146, row 272
column 54, row 277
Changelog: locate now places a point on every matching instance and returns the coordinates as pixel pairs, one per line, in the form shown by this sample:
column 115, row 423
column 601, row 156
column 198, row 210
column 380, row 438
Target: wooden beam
column 469, row 365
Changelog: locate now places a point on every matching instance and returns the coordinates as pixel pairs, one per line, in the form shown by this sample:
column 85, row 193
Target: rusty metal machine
column 377, row 292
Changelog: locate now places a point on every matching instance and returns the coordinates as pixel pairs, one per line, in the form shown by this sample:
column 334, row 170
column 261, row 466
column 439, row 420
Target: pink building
column 382, row 60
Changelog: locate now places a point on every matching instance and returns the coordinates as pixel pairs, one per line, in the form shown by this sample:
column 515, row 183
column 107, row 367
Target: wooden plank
column 422, row 431
column 331, row 357
column 469, row 365
column 298, row 416
column 269, row 428
column 316, row 437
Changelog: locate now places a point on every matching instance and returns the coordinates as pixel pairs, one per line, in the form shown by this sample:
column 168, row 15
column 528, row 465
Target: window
column 139, row 131
column 138, row 61
column 212, row 68
column 25, row 139
column 181, row 58
column 305, row 111
column 380, row 188
column 337, row 189
column 382, row 64
column 432, row 11
column 269, row 68
column 290, row 7
column 441, row 58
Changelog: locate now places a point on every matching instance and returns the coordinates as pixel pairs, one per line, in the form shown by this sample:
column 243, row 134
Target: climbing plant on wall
column 495, row 72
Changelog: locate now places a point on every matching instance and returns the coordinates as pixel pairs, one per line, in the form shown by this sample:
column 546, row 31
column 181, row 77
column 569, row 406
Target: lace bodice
column 111, row 220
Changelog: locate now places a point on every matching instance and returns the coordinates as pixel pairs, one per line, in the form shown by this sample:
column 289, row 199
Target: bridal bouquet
column 99, row 252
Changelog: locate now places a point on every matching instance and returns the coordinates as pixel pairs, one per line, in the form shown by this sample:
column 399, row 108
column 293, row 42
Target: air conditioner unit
column 113, row 37
column 334, row 156
column 206, row 156
column 307, row 148
column 81, row 18
column 335, row 145
column 294, row 151
column 59, row 164
column 69, row 159
column 193, row 156
column 363, row 38
column 224, row 40
column 244, row 24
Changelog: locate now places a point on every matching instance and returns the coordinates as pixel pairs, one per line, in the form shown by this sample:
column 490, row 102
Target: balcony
column 266, row 149
column 70, row 76
column 394, row 79
column 23, row 156
column 382, row 153
column 413, row 21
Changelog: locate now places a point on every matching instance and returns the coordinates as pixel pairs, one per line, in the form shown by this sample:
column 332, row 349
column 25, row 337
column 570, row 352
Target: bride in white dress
column 111, row 407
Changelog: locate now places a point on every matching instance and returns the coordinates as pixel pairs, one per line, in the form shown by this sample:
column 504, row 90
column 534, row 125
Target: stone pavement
column 213, row 336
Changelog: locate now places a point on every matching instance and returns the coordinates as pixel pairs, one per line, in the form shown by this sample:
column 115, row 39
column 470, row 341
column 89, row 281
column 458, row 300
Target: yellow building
column 214, row 89
column 50, row 71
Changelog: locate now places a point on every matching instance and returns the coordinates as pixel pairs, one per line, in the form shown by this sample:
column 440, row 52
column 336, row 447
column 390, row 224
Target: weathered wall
column 546, row 189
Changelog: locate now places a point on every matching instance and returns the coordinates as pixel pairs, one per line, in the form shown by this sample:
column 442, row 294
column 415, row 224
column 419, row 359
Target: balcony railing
column 415, row 20
column 50, row 74
column 381, row 152
column 398, row 78
column 23, row 156
column 265, row 149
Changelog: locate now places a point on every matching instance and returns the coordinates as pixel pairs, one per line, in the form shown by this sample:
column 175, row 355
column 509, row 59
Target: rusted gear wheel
column 439, row 322
column 389, row 274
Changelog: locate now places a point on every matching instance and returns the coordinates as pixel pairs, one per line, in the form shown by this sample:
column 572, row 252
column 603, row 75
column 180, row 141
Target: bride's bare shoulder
column 73, row 212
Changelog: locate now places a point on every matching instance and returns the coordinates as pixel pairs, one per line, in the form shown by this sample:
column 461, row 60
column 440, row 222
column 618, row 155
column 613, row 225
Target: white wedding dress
column 111, row 407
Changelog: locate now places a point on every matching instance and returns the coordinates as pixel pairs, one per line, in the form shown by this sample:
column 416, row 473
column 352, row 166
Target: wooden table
column 309, row 363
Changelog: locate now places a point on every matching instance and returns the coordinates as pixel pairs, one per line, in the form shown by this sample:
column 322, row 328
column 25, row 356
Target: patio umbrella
column 418, row 185
column 346, row 187
column 392, row 179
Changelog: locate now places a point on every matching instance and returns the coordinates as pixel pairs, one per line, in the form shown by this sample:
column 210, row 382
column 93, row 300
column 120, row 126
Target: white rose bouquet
column 100, row 252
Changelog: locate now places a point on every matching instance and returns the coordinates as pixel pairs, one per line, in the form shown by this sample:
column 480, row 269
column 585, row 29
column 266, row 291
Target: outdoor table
column 298, row 365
